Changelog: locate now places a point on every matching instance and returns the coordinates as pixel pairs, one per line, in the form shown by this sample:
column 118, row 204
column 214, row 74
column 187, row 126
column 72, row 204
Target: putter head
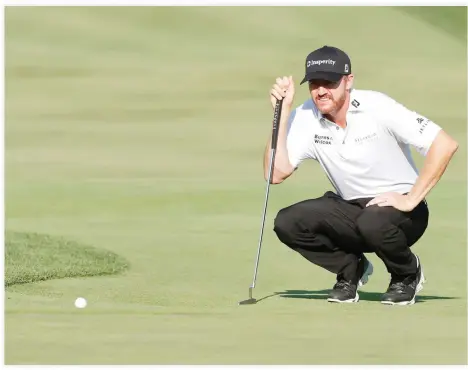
column 250, row 300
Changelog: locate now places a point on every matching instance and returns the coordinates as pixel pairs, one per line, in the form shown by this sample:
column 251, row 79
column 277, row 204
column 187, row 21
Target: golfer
column 362, row 140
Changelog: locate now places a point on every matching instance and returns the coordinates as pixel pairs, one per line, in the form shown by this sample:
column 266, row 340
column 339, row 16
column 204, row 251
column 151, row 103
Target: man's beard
column 336, row 105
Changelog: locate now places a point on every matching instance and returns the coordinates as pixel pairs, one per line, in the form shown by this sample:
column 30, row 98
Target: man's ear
column 349, row 82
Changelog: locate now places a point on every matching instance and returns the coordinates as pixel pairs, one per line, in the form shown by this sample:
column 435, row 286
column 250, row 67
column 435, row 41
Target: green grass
column 141, row 131
column 32, row 257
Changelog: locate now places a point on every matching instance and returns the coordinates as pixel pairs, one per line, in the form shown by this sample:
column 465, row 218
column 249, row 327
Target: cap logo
column 355, row 103
column 319, row 62
column 346, row 68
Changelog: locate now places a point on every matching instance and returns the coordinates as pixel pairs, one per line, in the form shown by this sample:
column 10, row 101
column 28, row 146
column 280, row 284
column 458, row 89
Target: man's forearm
column 282, row 166
column 435, row 164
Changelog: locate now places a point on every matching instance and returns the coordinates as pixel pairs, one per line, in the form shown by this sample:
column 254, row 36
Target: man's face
column 329, row 96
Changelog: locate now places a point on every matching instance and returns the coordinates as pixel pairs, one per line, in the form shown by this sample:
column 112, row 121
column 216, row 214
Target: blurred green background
column 141, row 131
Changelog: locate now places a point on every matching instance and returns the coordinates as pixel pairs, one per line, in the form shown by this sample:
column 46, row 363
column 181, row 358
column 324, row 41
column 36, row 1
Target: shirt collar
column 354, row 106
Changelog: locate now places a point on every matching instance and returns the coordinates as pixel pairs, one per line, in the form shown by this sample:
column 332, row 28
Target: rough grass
column 31, row 257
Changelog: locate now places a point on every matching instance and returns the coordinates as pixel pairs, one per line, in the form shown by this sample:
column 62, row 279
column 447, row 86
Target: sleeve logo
column 422, row 124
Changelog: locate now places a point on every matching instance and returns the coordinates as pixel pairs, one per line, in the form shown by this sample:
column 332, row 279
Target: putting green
column 141, row 131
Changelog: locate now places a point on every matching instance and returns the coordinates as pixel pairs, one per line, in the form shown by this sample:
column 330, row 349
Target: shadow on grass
column 364, row 296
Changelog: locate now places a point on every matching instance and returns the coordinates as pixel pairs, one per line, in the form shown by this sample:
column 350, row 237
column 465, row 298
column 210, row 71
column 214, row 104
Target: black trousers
column 334, row 233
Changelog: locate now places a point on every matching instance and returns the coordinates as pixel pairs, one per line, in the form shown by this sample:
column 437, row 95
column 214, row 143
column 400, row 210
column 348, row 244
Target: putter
column 274, row 141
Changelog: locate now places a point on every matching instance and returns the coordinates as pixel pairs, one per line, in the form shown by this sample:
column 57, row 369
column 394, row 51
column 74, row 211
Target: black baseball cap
column 327, row 63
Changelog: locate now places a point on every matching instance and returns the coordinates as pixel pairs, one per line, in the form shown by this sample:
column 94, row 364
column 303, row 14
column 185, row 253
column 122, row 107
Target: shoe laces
column 398, row 283
column 343, row 285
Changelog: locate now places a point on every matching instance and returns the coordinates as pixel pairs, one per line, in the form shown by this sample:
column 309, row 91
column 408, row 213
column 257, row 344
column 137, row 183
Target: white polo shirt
column 372, row 154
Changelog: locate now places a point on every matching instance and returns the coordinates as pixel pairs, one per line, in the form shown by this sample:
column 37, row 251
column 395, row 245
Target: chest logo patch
column 366, row 138
column 323, row 139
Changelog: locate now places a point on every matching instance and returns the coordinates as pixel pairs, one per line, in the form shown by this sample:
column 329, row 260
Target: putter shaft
column 274, row 142
column 270, row 172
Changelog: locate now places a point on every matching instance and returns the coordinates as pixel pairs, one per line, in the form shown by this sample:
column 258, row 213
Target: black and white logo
column 422, row 124
column 320, row 62
column 355, row 103
column 323, row 139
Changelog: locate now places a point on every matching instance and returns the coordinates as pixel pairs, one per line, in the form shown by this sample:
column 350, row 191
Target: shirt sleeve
column 298, row 141
column 407, row 126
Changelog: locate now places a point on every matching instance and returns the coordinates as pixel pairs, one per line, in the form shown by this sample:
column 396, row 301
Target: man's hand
column 401, row 202
column 283, row 89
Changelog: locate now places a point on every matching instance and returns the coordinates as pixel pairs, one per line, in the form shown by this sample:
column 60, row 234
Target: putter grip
column 276, row 122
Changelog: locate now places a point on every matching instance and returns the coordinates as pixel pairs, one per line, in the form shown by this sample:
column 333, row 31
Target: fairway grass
column 140, row 131
column 32, row 257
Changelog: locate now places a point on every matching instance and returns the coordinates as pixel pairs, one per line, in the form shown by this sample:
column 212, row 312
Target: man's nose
column 321, row 90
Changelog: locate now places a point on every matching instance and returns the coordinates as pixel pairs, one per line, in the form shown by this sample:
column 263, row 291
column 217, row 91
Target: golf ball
column 80, row 302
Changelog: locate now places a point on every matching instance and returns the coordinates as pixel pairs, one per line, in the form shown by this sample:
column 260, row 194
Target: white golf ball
column 80, row 302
